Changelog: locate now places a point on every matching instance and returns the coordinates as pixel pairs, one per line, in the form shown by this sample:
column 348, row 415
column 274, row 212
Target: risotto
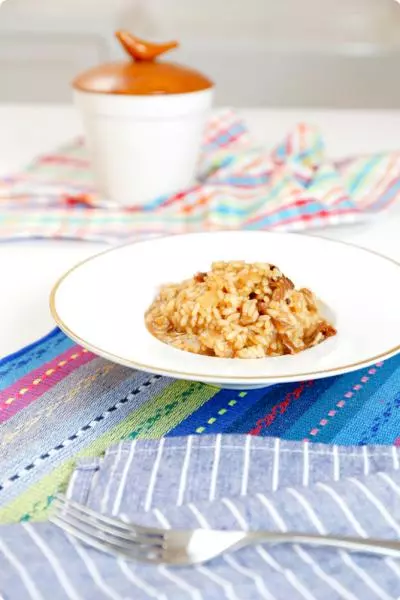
column 238, row 310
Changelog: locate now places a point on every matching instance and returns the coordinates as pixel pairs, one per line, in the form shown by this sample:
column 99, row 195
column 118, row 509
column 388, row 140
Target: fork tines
column 106, row 533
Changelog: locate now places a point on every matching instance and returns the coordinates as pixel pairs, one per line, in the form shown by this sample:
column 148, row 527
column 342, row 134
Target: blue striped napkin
column 219, row 481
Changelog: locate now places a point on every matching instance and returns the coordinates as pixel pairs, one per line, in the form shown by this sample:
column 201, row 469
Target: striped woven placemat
column 59, row 402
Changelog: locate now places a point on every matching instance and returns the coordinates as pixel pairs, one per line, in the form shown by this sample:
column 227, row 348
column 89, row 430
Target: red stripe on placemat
column 30, row 387
column 280, row 408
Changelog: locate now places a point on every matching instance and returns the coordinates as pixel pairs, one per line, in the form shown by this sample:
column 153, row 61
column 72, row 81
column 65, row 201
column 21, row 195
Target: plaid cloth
column 237, row 482
column 291, row 188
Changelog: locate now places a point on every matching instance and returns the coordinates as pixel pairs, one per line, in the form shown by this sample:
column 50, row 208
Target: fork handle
column 354, row 544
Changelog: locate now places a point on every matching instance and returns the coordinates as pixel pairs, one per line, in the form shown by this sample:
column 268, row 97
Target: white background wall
column 260, row 52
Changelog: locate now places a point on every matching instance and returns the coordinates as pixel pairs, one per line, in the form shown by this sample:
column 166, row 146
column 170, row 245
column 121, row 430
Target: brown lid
column 143, row 75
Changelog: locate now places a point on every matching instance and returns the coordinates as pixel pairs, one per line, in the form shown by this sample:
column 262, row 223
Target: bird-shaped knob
column 140, row 50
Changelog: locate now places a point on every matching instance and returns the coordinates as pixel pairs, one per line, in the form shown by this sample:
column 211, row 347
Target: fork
column 187, row 547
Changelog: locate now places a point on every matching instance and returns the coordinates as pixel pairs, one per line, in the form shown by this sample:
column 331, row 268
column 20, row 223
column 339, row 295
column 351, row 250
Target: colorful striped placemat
column 59, row 402
column 292, row 187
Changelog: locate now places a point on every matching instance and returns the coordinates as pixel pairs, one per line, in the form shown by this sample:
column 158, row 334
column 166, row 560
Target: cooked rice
column 238, row 310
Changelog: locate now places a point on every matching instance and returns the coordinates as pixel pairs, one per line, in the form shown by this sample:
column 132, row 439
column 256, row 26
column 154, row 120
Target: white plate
column 101, row 304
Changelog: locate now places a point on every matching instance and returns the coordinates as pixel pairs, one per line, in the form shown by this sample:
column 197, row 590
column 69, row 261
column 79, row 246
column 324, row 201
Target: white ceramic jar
column 143, row 123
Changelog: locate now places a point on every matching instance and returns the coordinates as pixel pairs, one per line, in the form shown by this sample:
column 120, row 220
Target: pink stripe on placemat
column 32, row 386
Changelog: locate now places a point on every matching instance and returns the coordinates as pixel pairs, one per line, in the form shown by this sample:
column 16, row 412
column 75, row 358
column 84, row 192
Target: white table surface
column 28, row 269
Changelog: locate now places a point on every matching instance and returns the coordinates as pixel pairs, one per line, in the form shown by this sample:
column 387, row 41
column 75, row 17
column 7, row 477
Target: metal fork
column 187, row 547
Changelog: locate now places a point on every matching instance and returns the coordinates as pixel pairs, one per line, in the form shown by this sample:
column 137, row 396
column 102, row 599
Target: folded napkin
column 291, row 188
column 219, row 481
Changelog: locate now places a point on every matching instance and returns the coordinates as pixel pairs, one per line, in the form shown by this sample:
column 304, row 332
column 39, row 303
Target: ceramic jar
column 143, row 122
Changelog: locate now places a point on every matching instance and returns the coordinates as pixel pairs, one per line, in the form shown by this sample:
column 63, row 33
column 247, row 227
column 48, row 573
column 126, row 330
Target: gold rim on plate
column 199, row 376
